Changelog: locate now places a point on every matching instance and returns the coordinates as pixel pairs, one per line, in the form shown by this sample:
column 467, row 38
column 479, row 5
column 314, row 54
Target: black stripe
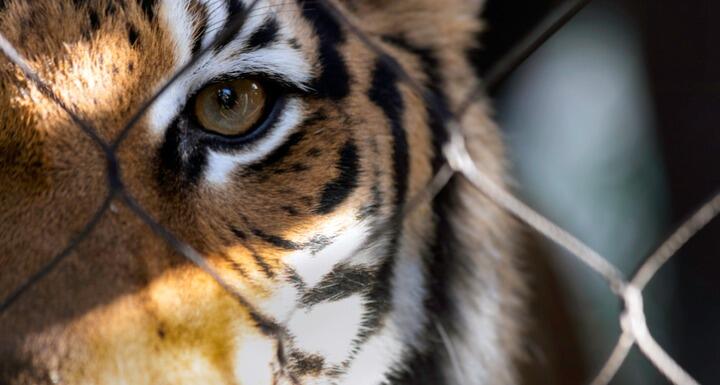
column 384, row 92
column 294, row 44
column 372, row 208
column 238, row 233
column 110, row 10
column 336, row 191
column 234, row 7
column 436, row 101
column 340, row 283
column 290, row 210
column 233, row 23
column 318, row 242
column 235, row 266
column 148, row 7
column 259, row 260
column 316, row 117
column 379, row 294
column 277, row 155
column 200, row 28
column 263, row 36
column 334, row 79
column 182, row 157
column 133, row 34
column 94, row 20
column 423, row 367
column 304, row 364
column 443, row 264
column 276, row 241
column 420, row 368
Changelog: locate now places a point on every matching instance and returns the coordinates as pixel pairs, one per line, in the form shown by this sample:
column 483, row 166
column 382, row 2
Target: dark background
column 681, row 40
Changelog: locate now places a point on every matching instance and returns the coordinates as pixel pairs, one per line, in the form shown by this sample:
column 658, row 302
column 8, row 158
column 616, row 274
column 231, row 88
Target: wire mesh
column 457, row 161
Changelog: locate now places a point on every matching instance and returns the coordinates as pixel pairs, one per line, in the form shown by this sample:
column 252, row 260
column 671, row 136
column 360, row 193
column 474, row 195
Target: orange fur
column 124, row 308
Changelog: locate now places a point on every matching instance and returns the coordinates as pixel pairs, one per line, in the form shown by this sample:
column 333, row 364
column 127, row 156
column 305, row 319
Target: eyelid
column 277, row 81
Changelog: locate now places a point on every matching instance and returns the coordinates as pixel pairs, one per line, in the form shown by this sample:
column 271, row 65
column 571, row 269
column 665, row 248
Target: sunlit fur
column 302, row 222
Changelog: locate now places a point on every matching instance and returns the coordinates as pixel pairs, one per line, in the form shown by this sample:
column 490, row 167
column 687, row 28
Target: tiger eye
column 231, row 108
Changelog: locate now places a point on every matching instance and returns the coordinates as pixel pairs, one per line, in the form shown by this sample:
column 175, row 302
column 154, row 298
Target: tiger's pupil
column 227, row 98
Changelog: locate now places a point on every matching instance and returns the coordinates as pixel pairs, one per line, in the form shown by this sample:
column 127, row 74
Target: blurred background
column 613, row 132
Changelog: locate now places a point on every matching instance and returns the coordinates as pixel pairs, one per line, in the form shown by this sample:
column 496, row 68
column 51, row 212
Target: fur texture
column 303, row 220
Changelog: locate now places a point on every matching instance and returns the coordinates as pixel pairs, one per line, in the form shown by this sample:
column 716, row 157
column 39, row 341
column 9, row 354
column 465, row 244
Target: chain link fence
column 457, row 161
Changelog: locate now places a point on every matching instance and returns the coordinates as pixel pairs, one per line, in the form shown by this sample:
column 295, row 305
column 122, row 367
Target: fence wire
column 457, row 162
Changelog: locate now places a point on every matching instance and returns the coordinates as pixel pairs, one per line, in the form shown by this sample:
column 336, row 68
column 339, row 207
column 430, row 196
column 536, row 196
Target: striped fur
column 304, row 219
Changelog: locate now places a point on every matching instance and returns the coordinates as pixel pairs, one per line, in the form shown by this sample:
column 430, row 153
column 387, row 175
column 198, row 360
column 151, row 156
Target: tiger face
column 283, row 154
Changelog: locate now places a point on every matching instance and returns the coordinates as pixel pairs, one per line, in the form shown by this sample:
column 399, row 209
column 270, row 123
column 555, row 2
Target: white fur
column 178, row 22
column 221, row 164
column 375, row 359
column 478, row 346
column 253, row 360
column 217, row 14
column 281, row 303
column 279, row 59
column 175, row 16
column 403, row 328
column 219, row 167
column 312, row 267
column 485, row 306
column 329, row 328
column 409, row 291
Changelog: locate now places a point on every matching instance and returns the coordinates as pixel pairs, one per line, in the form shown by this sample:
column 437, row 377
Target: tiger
column 280, row 141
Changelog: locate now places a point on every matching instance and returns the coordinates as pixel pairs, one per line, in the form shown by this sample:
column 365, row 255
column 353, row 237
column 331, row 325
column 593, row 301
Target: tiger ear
column 434, row 22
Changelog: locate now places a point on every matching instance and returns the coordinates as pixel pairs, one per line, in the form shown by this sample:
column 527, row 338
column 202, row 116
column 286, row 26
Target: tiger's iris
column 231, row 108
